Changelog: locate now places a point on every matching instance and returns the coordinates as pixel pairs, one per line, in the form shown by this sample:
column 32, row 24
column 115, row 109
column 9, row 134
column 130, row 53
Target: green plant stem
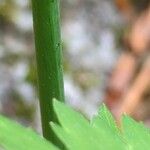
column 48, row 53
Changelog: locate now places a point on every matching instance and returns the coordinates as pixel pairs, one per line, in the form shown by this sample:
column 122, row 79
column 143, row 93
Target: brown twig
column 120, row 78
column 136, row 91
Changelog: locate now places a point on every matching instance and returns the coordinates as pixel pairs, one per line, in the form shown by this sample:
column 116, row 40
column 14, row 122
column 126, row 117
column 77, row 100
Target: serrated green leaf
column 107, row 118
column 136, row 134
column 70, row 143
column 68, row 117
column 86, row 135
column 106, row 127
column 76, row 126
column 77, row 133
column 15, row 137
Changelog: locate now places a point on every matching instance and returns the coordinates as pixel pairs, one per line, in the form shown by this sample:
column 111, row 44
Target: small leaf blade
column 16, row 137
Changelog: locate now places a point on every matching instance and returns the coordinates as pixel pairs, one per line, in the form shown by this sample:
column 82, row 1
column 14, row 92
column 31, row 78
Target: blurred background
column 106, row 58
